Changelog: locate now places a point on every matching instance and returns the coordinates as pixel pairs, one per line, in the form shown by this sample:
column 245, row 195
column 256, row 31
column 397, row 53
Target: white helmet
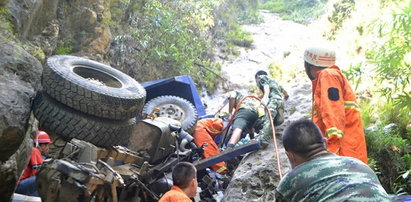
column 320, row 55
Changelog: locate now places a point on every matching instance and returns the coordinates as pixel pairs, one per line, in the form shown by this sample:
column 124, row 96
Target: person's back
column 276, row 90
column 205, row 132
column 335, row 109
column 247, row 102
column 175, row 195
column 318, row 175
column 328, row 177
column 184, row 183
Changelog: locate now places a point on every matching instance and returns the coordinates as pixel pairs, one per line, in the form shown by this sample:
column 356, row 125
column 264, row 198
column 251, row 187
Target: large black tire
column 68, row 123
column 93, row 88
column 174, row 107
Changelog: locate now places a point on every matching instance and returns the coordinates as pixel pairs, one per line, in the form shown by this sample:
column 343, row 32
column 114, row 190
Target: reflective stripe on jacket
column 336, row 113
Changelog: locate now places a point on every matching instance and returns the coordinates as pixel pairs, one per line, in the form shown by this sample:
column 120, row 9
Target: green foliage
column 388, row 122
column 228, row 17
column 247, row 12
column 64, row 49
column 342, row 10
column 354, row 75
column 240, row 37
column 275, row 71
column 388, row 144
column 35, row 51
column 393, row 59
column 301, row 11
column 172, row 37
column 5, row 23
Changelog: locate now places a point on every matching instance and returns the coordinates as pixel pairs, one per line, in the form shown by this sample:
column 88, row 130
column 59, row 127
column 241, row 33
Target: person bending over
column 245, row 117
column 273, row 98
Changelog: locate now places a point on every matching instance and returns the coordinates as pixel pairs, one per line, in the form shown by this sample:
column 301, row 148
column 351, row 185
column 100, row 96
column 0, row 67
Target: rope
column 271, row 124
column 275, row 143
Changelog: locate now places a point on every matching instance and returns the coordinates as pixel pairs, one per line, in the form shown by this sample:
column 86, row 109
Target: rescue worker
column 27, row 184
column 335, row 109
column 184, row 184
column 205, row 132
column 245, row 117
column 318, row 175
column 272, row 98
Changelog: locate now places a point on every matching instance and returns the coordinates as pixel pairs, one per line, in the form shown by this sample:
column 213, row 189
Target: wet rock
column 12, row 168
column 82, row 27
column 390, row 128
column 30, row 17
column 298, row 104
column 257, row 176
column 19, row 81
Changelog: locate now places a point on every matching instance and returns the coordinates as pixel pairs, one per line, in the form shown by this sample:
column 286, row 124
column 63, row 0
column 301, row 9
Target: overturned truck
column 110, row 143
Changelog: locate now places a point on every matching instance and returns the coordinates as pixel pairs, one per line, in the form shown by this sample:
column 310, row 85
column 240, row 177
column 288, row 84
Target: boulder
column 257, row 176
column 19, row 80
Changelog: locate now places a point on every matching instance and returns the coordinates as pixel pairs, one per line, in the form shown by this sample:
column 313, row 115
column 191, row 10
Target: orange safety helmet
column 42, row 137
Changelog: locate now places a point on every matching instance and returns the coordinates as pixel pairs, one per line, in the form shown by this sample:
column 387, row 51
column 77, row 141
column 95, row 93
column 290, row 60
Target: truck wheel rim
column 172, row 111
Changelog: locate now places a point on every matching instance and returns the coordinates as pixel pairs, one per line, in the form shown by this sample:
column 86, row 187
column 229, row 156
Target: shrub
column 301, row 11
column 172, row 37
column 64, row 49
column 388, row 144
column 354, row 74
column 240, row 37
column 393, row 59
column 342, row 11
column 275, row 71
column 227, row 31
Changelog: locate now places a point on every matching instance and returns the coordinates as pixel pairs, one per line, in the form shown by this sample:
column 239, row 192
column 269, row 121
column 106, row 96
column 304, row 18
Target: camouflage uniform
column 247, row 113
column 275, row 104
column 328, row 177
column 248, row 103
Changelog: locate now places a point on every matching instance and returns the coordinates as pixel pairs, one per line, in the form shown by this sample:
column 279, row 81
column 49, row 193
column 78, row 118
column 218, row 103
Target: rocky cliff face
column 39, row 29
column 63, row 26
column 19, row 80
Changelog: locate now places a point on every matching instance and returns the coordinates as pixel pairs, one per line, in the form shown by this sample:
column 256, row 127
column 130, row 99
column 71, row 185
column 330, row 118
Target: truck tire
column 68, row 123
column 173, row 107
column 92, row 87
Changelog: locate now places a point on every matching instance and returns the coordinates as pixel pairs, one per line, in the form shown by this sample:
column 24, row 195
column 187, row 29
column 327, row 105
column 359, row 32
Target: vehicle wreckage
column 116, row 139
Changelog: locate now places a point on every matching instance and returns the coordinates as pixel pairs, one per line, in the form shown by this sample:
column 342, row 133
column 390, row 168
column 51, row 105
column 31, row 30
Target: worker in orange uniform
column 27, row 184
column 335, row 109
column 205, row 132
column 184, row 184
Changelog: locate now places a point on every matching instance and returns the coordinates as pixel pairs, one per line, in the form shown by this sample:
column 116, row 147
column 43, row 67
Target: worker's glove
column 264, row 101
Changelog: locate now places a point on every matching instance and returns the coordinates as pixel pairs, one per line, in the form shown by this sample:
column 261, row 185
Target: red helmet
column 42, row 137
